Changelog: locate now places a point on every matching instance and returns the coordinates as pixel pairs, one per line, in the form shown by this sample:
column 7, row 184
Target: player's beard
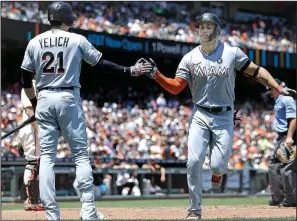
column 209, row 40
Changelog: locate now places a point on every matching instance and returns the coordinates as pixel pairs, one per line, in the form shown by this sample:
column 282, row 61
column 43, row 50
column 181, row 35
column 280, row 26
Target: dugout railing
column 245, row 181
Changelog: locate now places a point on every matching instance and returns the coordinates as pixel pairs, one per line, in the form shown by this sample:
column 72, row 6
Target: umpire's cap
column 209, row 17
column 60, row 12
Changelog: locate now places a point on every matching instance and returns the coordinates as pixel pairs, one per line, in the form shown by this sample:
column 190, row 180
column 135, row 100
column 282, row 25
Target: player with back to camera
column 209, row 70
column 56, row 56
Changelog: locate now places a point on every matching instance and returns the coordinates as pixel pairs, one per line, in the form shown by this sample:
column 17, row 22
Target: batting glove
column 287, row 91
column 141, row 67
column 153, row 73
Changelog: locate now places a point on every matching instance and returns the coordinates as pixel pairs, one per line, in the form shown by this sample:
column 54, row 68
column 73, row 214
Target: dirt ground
column 162, row 213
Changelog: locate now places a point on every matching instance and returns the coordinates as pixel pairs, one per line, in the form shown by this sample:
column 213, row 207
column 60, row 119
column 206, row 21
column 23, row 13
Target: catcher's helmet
column 60, row 12
column 209, row 17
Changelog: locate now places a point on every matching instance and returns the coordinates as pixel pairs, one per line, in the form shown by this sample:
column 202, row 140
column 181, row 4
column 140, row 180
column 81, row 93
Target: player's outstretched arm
column 264, row 77
column 173, row 86
column 141, row 67
column 94, row 57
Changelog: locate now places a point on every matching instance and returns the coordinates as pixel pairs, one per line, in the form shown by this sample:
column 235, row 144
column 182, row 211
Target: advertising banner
column 25, row 31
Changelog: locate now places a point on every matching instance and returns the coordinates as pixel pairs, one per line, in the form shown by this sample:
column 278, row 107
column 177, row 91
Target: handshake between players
column 149, row 68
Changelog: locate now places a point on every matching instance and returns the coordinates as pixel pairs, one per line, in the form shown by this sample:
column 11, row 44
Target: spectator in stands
column 161, row 101
column 125, row 181
column 100, row 187
column 154, row 168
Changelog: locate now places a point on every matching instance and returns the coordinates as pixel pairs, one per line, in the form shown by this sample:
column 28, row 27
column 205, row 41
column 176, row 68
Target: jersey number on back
column 49, row 57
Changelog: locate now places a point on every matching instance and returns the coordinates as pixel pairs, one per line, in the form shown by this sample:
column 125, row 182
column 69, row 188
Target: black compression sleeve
column 34, row 102
column 244, row 67
column 26, row 79
column 107, row 66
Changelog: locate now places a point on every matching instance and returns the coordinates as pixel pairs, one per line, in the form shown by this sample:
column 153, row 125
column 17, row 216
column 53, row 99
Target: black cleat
column 193, row 216
column 273, row 203
column 284, row 204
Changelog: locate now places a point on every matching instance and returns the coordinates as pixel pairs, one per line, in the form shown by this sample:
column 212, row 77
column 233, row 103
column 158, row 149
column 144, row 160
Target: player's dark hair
column 55, row 24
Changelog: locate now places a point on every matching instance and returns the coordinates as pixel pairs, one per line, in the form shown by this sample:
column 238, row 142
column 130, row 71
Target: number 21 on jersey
column 53, row 63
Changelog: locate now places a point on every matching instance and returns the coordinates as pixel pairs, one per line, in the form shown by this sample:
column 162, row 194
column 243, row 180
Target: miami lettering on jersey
column 211, row 78
column 202, row 71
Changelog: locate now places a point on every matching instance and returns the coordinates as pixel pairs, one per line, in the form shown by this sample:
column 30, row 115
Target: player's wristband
column 279, row 89
column 156, row 74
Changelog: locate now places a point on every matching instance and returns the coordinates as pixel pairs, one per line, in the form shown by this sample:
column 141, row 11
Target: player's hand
column 141, row 67
column 153, row 73
column 287, row 91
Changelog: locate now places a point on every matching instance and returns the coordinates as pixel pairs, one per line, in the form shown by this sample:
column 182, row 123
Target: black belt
column 56, row 88
column 216, row 109
column 33, row 162
column 282, row 133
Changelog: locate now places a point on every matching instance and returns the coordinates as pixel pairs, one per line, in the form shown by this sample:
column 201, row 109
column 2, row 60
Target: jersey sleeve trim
column 183, row 77
column 27, row 69
column 290, row 116
column 244, row 67
column 98, row 59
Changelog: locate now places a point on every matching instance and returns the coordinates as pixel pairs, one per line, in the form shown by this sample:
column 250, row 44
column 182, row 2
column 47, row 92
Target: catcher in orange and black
column 28, row 145
column 282, row 168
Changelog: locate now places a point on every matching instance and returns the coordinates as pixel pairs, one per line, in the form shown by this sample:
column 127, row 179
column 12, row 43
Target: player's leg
column 198, row 140
column 31, row 180
column 274, row 176
column 26, row 177
column 220, row 146
column 275, row 182
column 32, row 186
column 73, row 128
column 288, row 176
column 48, row 137
column 23, row 194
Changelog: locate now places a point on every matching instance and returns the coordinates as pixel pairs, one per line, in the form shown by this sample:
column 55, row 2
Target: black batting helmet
column 209, row 17
column 60, row 12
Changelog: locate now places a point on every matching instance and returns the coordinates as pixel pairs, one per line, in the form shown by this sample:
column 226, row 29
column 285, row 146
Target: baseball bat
column 26, row 122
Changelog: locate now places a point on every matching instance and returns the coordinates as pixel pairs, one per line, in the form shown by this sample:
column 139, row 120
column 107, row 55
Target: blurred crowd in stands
column 164, row 20
column 153, row 129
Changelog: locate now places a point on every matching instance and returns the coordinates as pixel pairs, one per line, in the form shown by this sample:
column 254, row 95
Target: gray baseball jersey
column 212, row 78
column 55, row 56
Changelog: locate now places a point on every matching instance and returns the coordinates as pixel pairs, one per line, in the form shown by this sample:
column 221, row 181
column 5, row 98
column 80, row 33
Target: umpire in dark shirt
column 282, row 176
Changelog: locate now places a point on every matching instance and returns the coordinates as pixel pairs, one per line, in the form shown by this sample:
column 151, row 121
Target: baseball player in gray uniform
column 56, row 56
column 209, row 70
